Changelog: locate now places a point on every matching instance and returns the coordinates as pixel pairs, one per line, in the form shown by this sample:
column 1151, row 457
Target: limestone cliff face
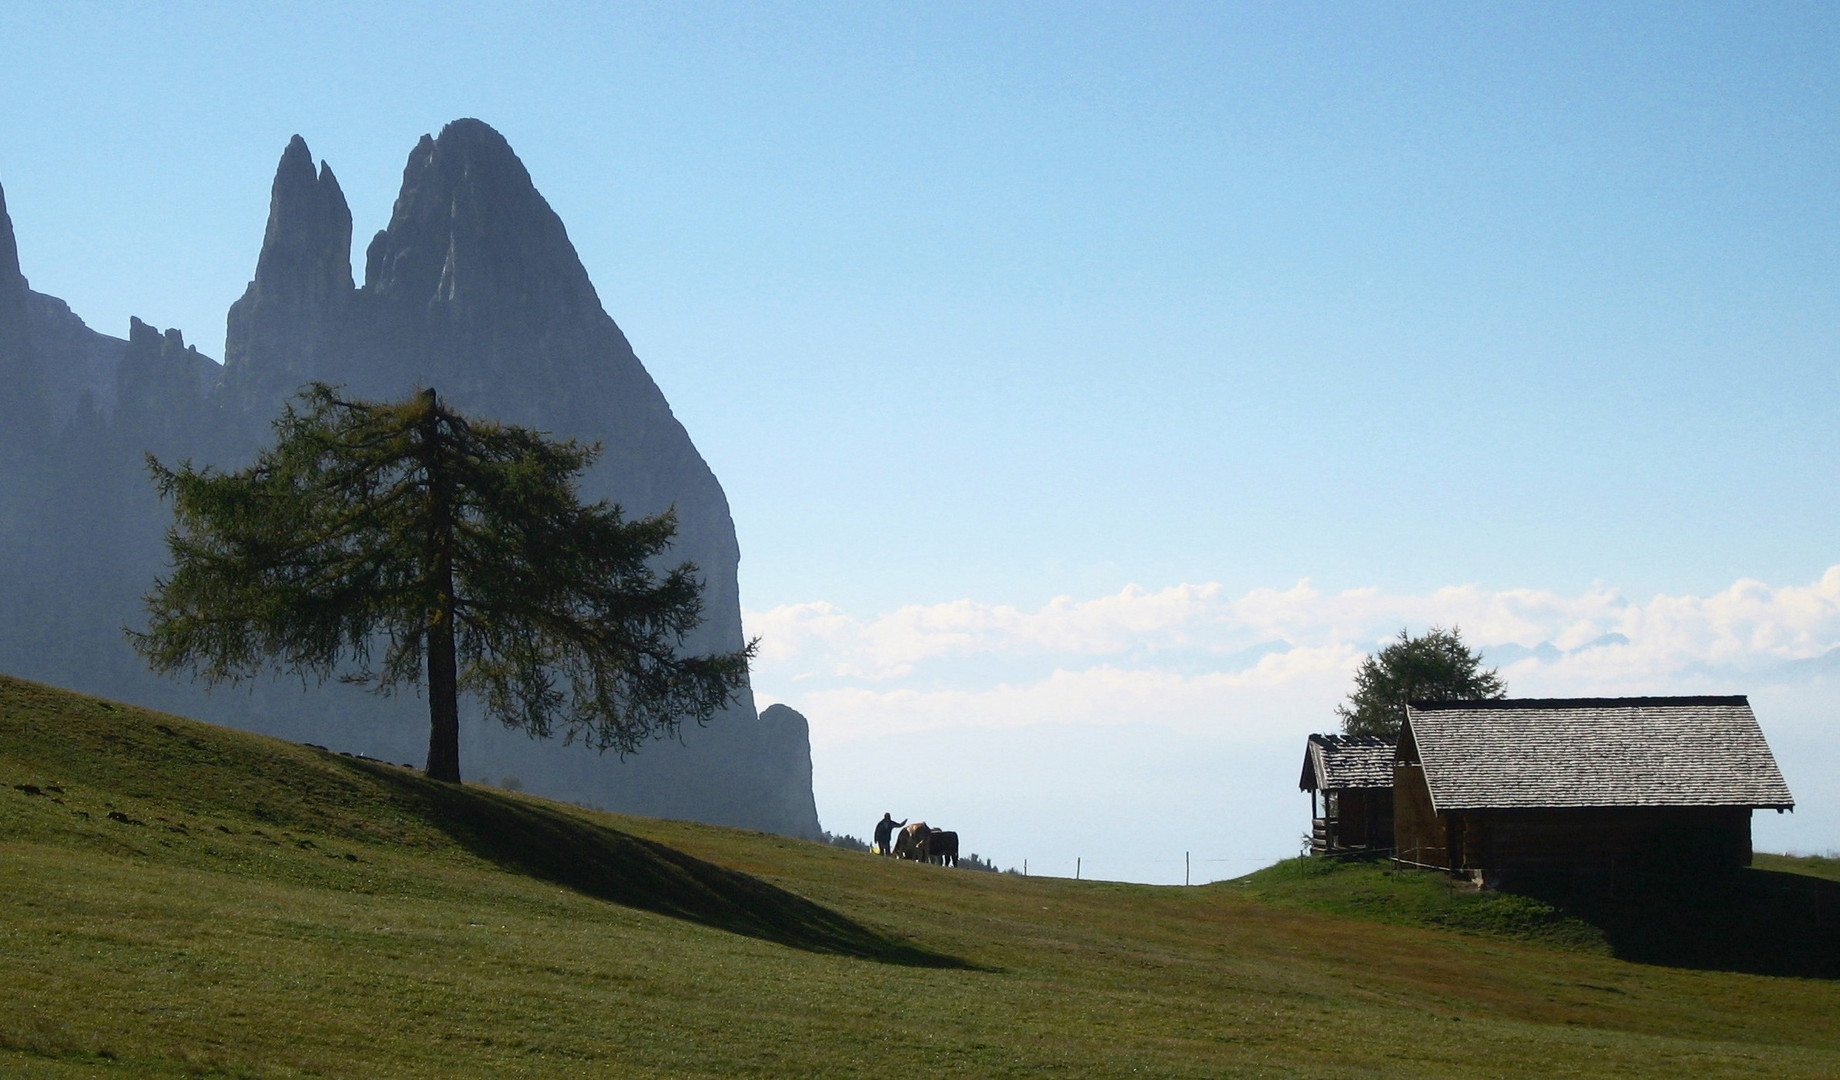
column 13, row 290
column 73, row 360
column 301, row 288
column 79, row 527
column 22, row 404
column 473, row 288
column 787, row 727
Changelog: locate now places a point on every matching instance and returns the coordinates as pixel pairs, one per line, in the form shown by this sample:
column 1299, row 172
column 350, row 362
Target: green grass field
column 185, row 900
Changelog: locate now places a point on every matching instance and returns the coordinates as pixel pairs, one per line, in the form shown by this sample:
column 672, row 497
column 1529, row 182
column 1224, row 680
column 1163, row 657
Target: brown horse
column 911, row 842
column 942, row 847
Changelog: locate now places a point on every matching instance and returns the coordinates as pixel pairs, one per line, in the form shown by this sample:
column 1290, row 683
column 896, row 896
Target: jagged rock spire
column 470, row 227
column 160, row 384
column 477, row 279
column 474, row 287
column 302, row 280
column 13, row 290
column 10, row 277
column 22, row 406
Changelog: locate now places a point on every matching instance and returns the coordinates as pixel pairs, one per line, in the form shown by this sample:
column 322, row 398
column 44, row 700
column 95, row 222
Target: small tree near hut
column 1434, row 667
column 401, row 542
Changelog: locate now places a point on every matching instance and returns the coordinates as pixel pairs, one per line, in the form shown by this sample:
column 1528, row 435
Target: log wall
column 1367, row 818
column 1657, row 838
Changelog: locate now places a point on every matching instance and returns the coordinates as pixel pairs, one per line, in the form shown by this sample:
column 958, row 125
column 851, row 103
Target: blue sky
column 998, row 304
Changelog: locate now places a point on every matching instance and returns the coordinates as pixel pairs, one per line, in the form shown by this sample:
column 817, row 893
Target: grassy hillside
column 178, row 899
column 1780, row 918
column 1821, row 866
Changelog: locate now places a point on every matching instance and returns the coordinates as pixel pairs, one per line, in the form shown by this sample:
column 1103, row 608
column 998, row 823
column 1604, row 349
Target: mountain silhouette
column 474, row 288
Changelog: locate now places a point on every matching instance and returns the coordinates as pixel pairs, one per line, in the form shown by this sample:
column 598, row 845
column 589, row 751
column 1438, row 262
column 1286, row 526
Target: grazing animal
column 942, row 847
column 911, row 842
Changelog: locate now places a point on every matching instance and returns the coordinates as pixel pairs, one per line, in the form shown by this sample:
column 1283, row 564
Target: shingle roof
column 1654, row 751
column 1335, row 762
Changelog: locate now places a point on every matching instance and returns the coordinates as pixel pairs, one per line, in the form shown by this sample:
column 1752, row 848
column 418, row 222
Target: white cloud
column 891, row 644
column 1267, row 699
column 1270, row 662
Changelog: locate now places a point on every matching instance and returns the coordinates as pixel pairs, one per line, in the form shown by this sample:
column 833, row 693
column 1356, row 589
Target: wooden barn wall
column 1418, row 832
column 1659, row 838
column 1380, row 817
column 1350, row 819
column 1366, row 818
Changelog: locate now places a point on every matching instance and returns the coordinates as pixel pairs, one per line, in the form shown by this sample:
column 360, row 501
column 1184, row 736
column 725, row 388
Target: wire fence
column 1189, row 869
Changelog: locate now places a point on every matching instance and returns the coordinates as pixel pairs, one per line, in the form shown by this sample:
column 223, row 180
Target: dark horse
column 942, row 847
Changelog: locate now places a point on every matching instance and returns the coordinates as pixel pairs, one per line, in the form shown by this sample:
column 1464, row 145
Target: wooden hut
column 1354, row 776
column 1665, row 783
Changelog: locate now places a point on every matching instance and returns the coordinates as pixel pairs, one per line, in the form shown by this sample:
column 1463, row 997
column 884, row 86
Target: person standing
column 884, row 833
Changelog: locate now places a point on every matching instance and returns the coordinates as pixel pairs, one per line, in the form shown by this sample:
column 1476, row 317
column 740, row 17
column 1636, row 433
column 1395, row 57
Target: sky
column 1093, row 385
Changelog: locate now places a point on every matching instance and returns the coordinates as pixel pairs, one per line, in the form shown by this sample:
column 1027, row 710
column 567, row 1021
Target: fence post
column 1076, row 868
column 1185, row 868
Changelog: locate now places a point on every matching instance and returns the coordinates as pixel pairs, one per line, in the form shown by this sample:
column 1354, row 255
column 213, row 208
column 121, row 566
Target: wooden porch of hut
column 1353, row 774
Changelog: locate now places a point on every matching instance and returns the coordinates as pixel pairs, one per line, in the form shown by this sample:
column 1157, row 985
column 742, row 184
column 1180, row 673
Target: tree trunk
column 443, row 674
column 443, row 693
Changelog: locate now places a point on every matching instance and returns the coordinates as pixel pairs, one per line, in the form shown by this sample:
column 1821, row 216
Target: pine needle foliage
column 1434, row 667
column 401, row 542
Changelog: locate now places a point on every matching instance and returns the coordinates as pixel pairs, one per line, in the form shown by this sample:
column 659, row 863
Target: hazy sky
column 1524, row 317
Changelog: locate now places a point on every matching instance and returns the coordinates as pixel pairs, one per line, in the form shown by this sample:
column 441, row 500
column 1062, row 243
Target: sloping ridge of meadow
column 203, row 793
column 183, row 899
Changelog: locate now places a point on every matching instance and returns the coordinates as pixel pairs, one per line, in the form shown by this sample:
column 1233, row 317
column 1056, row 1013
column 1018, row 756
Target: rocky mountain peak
column 474, row 287
column 21, row 403
column 11, row 280
column 308, row 240
column 303, row 278
column 470, row 229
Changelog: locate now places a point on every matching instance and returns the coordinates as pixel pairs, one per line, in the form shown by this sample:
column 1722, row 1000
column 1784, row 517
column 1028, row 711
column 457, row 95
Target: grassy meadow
column 178, row 899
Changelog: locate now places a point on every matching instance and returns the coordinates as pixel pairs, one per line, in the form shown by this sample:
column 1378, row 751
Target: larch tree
column 1434, row 667
column 402, row 543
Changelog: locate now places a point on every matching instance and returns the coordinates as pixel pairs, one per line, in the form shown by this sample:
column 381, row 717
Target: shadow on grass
column 560, row 848
column 1762, row 922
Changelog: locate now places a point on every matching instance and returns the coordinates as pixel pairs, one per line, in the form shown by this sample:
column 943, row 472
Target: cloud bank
column 1267, row 664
